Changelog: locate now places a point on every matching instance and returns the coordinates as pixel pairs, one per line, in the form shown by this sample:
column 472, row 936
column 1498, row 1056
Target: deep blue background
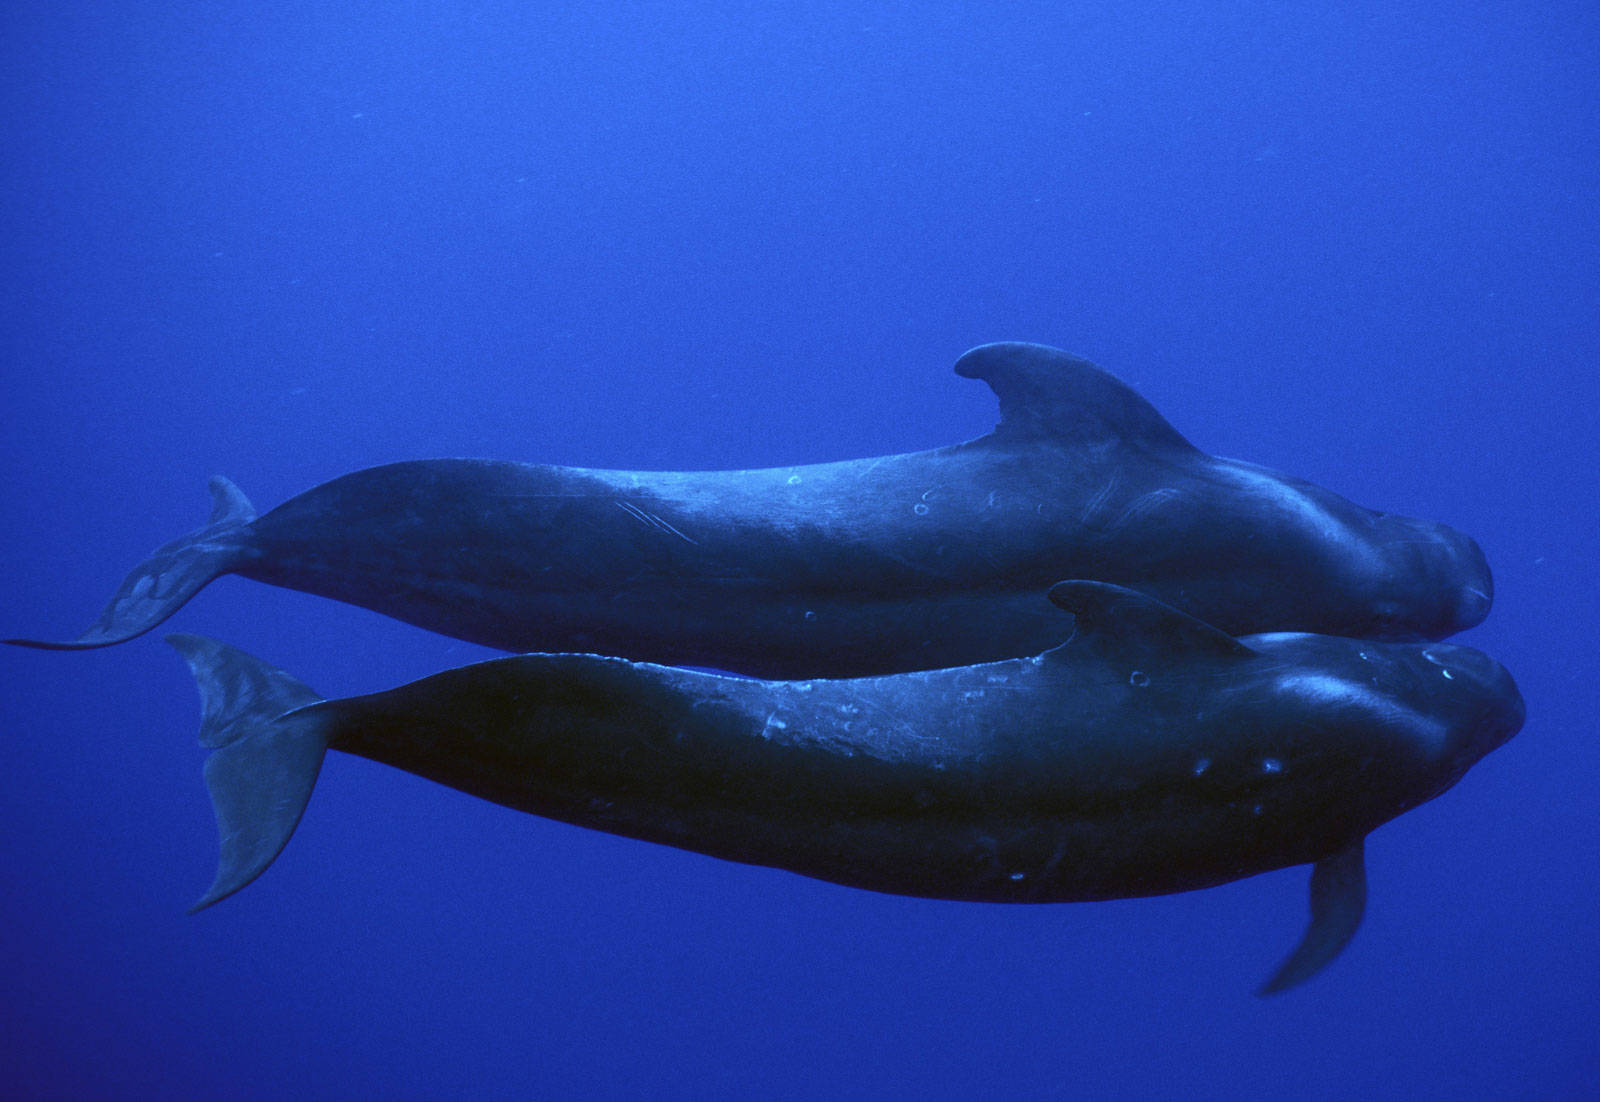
column 286, row 241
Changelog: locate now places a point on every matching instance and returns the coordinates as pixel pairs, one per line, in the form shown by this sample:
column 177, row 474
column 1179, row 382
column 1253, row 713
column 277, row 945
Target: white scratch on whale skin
column 653, row 521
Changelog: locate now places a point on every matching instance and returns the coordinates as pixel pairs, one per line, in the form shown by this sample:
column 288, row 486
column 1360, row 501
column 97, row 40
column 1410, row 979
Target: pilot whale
column 902, row 562
column 1149, row 753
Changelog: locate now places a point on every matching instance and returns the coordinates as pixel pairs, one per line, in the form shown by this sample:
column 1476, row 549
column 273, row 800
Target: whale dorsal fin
column 1125, row 624
column 1048, row 394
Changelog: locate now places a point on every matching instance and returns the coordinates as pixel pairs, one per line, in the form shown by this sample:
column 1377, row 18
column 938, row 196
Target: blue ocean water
column 1354, row 242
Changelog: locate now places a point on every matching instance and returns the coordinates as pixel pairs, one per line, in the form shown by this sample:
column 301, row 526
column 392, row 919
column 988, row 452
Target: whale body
column 901, row 562
column 1149, row 753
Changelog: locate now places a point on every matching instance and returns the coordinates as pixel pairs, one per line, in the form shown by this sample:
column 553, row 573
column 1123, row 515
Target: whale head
column 1436, row 581
column 1319, row 562
column 1413, row 717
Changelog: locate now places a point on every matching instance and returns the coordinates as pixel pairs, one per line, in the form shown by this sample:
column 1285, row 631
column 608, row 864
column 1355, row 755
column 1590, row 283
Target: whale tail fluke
column 165, row 581
column 269, row 747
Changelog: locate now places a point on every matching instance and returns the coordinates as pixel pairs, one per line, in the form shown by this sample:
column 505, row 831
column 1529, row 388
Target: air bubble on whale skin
column 1271, row 765
column 794, row 480
column 810, row 615
column 1138, row 679
column 1201, row 766
column 920, row 509
column 1018, row 876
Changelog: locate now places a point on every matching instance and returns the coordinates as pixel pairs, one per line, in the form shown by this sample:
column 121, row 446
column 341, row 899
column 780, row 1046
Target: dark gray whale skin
column 868, row 566
column 1150, row 753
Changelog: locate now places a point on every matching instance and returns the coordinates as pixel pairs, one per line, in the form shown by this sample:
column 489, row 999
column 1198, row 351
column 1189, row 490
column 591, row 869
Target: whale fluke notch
column 1047, row 394
column 165, row 581
column 270, row 749
column 1338, row 901
column 1131, row 625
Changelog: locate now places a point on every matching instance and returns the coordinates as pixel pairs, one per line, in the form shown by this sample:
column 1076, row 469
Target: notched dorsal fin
column 1129, row 624
column 1338, row 900
column 1051, row 395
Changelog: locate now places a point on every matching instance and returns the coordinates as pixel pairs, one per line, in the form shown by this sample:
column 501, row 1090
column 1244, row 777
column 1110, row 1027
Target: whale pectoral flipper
column 1338, row 900
column 270, row 748
column 165, row 581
